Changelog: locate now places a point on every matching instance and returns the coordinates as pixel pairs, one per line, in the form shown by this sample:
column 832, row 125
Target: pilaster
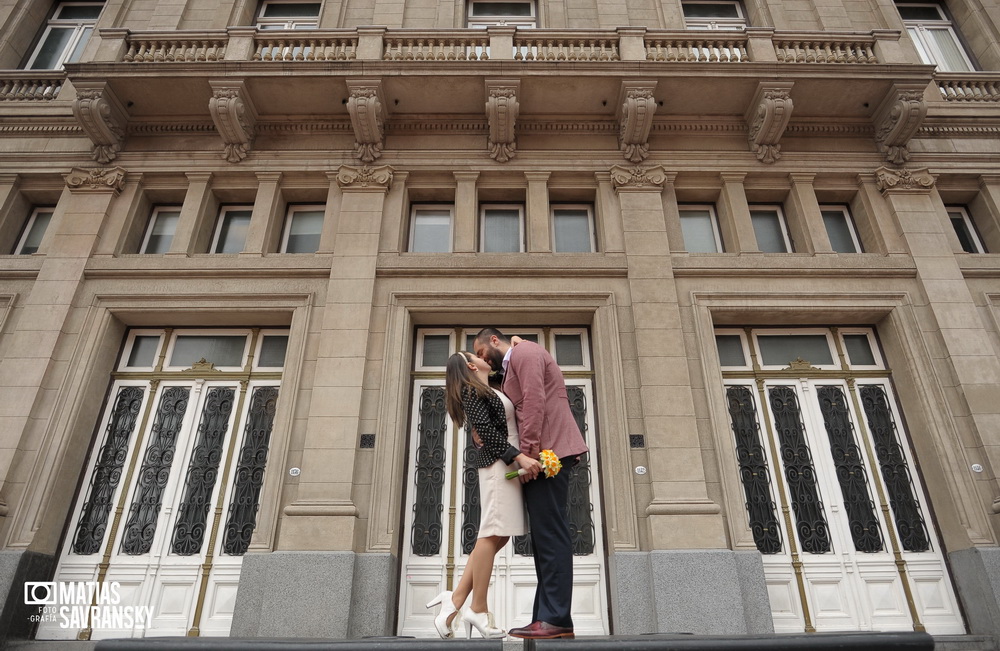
column 734, row 215
column 610, row 237
column 466, row 212
column 264, row 219
column 805, row 218
column 680, row 513
column 987, row 210
column 539, row 225
column 193, row 213
column 323, row 515
column 327, row 239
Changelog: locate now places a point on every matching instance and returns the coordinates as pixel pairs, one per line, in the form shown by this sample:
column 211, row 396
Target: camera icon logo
column 39, row 593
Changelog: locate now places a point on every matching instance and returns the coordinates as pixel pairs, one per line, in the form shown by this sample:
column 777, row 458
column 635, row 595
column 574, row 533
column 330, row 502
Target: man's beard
column 495, row 359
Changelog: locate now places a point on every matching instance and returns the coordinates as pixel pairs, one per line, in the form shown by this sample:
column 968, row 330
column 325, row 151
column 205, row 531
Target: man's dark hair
column 485, row 334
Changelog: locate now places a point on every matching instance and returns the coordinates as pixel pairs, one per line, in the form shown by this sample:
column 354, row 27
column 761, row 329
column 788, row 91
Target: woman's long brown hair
column 458, row 376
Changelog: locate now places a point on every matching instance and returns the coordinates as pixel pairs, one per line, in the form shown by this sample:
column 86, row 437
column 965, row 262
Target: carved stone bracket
column 636, row 106
column 235, row 117
column 638, row 178
column 767, row 117
column 897, row 119
column 367, row 107
column 896, row 180
column 501, row 111
column 377, row 178
column 96, row 180
column 102, row 117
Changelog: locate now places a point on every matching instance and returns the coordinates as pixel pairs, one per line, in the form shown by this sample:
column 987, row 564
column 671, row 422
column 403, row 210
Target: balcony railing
column 305, row 46
column 969, row 87
column 712, row 47
column 829, row 48
column 439, row 45
column 551, row 45
column 31, row 85
column 171, row 47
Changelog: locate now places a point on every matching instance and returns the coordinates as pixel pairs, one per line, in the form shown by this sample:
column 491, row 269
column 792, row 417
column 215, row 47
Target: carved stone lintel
column 501, row 112
column 638, row 178
column 767, row 117
column 102, row 117
column 636, row 106
column 96, row 180
column 235, row 117
column 896, row 180
column 897, row 119
column 367, row 108
column 366, row 177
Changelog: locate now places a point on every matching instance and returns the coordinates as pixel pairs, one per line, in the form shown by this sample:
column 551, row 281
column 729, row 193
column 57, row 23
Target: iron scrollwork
column 472, row 508
column 108, row 471
column 895, row 471
column 427, row 529
column 850, row 470
column 814, row 534
column 753, row 470
column 249, row 480
column 140, row 527
column 203, row 471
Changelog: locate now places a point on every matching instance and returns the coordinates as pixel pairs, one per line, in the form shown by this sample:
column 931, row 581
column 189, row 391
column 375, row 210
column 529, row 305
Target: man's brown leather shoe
column 541, row 631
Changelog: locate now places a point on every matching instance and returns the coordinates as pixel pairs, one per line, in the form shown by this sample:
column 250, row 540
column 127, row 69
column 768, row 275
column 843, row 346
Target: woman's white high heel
column 483, row 623
column 441, row 625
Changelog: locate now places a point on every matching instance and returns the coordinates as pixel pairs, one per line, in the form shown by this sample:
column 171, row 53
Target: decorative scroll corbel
column 636, row 106
column 235, row 117
column 367, row 108
column 767, row 117
column 102, row 117
column 897, row 119
column 501, row 112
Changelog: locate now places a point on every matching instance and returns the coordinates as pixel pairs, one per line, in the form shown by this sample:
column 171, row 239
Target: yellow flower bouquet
column 551, row 465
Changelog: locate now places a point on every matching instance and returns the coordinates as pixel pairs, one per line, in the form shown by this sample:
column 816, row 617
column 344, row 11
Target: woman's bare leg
column 481, row 567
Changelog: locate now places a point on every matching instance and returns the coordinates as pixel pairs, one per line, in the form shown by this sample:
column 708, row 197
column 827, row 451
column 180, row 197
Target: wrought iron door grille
column 427, row 530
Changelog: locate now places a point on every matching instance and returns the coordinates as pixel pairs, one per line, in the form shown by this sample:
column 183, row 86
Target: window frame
column 29, row 224
column 418, row 353
column 970, row 227
column 756, row 333
column 591, row 224
column 287, row 228
column 130, row 344
column 53, row 22
column 223, row 212
column 713, row 216
column 414, row 208
column 259, row 345
column 782, row 221
column 584, row 346
column 869, row 333
column 720, row 24
column 261, row 23
column 247, row 333
column 153, row 216
column 926, row 47
column 482, row 22
column 483, row 207
column 744, row 343
column 851, row 228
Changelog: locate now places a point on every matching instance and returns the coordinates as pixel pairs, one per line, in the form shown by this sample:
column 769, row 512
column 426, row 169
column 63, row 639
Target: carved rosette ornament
column 897, row 120
column 896, row 180
column 366, row 177
column 638, row 178
column 767, row 117
column 367, row 109
column 102, row 117
column 235, row 117
column 96, row 180
column 636, row 106
column 501, row 112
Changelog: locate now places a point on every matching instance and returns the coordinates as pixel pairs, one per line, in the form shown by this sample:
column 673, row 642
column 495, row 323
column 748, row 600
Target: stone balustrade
column 438, row 45
column 174, row 47
column 688, row 46
column 30, row 85
column 305, row 46
column 565, row 45
column 827, row 48
column 969, row 87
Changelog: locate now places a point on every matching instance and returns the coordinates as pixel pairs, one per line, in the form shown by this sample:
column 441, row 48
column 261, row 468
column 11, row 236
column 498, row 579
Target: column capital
column 637, row 178
column 537, row 176
column 892, row 181
column 801, row 177
column 989, row 179
column 268, row 177
column 9, row 179
column 466, row 176
column 733, row 177
column 365, row 179
column 96, row 180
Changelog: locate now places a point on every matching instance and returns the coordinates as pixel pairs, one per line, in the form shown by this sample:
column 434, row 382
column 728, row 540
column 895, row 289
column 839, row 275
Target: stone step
column 965, row 643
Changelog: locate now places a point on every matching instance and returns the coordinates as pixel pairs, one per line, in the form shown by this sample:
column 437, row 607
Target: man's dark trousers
column 547, row 500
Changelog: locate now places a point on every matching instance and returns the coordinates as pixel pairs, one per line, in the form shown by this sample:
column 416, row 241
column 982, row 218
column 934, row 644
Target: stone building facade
column 240, row 238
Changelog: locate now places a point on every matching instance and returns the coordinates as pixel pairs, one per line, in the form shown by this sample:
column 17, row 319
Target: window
column 288, row 15
column 573, row 229
column 231, row 229
column 303, row 227
column 65, row 35
column 700, row 14
column 483, row 13
column 770, row 230
column 700, row 228
column 227, row 350
column 161, row 229
column 965, row 229
column 501, row 228
column 34, row 231
column 840, row 228
column 934, row 37
column 430, row 229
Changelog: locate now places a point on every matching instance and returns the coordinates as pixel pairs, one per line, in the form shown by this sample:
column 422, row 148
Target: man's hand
column 530, row 466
